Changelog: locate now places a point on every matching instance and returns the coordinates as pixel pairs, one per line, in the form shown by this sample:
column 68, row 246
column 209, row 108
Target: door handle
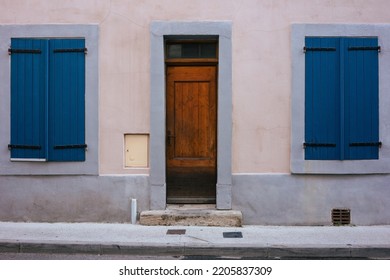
column 169, row 137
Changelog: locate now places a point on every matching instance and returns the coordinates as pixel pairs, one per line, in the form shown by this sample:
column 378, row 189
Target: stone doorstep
column 191, row 215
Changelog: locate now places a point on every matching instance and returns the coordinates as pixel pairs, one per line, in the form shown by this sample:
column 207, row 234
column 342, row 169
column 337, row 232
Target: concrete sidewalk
column 268, row 242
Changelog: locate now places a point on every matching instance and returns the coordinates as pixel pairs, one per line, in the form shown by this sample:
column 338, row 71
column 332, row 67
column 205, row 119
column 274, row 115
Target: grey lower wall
column 71, row 198
column 264, row 199
column 284, row 199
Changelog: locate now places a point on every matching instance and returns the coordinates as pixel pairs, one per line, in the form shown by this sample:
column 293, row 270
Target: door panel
column 191, row 133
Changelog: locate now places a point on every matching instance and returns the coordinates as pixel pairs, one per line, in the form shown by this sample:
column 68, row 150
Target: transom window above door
column 191, row 49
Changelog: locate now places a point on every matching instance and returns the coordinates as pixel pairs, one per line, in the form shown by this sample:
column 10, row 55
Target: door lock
column 169, row 137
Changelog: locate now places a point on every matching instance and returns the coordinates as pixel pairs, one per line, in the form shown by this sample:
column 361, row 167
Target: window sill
column 340, row 167
column 28, row 159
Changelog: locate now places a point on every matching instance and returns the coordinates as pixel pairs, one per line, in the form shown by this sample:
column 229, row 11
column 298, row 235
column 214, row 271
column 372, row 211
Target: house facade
column 278, row 109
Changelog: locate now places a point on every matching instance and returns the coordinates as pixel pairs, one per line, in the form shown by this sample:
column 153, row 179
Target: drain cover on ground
column 176, row 231
column 237, row 234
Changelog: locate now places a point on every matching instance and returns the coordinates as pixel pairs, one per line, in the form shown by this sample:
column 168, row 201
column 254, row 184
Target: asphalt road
column 42, row 256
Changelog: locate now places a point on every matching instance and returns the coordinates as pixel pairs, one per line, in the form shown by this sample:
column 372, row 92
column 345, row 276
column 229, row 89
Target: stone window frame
column 91, row 34
column 298, row 164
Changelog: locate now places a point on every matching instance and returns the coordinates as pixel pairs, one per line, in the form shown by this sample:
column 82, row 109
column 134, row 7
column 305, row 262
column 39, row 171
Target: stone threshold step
column 191, row 215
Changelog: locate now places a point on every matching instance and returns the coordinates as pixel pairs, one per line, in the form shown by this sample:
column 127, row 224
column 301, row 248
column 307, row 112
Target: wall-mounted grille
column 341, row 216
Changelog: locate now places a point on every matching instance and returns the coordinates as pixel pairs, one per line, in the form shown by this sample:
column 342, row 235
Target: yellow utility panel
column 136, row 150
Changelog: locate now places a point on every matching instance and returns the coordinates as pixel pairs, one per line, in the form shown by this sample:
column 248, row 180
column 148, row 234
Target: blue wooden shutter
column 322, row 99
column 28, row 98
column 361, row 98
column 67, row 100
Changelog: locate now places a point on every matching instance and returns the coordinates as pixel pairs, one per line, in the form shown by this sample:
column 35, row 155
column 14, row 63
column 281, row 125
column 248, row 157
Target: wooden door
column 191, row 134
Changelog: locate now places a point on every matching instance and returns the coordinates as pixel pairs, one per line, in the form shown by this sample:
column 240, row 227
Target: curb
column 272, row 252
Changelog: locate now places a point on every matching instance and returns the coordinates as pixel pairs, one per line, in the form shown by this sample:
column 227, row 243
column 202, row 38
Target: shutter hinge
column 80, row 50
column 376, row 48
column 366, row 144
column 25, row 147
column 76, row 146
column 306, row 49
column 329, row 145
column 12, row 51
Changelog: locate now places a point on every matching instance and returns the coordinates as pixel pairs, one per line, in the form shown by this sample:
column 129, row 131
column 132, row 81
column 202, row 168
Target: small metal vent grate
column 235, row 234
column 341, row 216
column 176, row 231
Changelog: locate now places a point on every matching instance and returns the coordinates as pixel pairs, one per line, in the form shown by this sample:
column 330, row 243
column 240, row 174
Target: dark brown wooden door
column 191, row 134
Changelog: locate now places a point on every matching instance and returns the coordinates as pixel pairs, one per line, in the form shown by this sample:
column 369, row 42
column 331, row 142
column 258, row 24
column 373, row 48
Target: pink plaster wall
column 261, row 64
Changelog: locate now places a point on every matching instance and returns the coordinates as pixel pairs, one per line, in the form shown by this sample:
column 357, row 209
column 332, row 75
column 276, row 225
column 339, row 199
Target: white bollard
column 133, row 211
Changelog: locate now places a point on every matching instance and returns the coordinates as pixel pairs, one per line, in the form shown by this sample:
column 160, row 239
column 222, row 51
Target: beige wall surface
column 261, row 64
